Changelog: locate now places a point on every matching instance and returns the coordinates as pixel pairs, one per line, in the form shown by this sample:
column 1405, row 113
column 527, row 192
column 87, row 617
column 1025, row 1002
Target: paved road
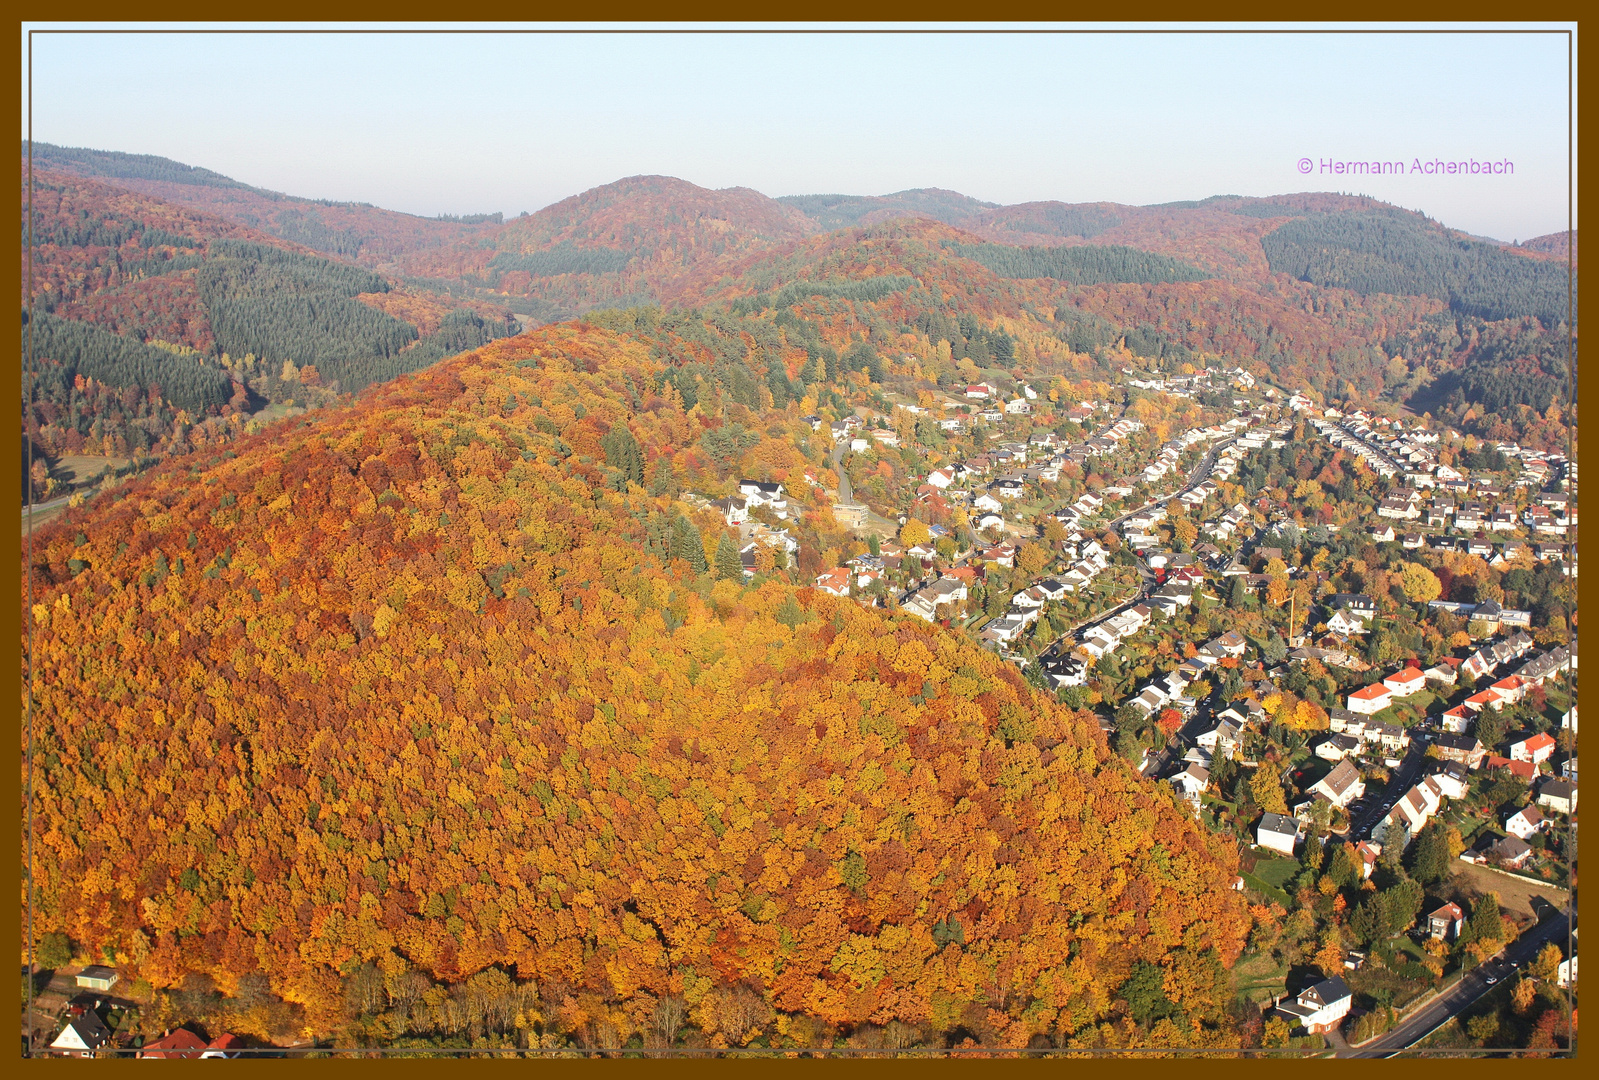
column 844, row 493
column 1401, row 781
column 37, row 507
column 1461, row 996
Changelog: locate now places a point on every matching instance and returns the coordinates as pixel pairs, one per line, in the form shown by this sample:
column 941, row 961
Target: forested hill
column 840, row 211
column 149, row 316
column 1323, row 291
column 359, row 232
column 1553, row 244
column 640, row 239
column 437, row 687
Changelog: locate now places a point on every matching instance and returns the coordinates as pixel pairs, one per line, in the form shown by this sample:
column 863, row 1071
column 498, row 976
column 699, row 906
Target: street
column 1460, row 997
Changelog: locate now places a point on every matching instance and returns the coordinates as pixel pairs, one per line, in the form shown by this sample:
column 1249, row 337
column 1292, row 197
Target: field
column 1259, row 977
column 79, row 469
column 1516, row 894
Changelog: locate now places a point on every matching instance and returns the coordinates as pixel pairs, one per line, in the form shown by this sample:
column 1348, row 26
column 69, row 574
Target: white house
column 1526, row 821
column 82, row 1036
column 1321, row 1007
column 1345, row 623
column 1342, row 786
column 1405, row 681
column 1191, row 783
column 1278, row 832
column 1372, row 699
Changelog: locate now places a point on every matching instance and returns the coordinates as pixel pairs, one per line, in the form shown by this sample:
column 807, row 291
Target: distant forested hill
column 1394, row 251
column 841, row 211
column 1312, row 286
column 356, row 231
column 1553, row 244
column 1080, row 265
column 144, row 308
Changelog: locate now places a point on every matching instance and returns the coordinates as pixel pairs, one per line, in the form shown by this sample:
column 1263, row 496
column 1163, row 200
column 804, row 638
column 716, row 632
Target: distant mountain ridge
column 360, row 232
column 1346, row 294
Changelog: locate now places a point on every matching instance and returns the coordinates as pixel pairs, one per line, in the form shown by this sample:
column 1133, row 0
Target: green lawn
column 1276, row 872
column 1258, row 977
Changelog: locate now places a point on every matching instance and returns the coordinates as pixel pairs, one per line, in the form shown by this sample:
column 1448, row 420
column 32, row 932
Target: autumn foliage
column 415, row 686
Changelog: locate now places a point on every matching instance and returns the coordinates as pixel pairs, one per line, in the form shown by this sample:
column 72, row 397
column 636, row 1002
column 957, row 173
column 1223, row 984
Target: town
column 1346, row 640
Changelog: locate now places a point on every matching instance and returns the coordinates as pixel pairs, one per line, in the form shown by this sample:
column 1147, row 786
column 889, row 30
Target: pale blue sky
column 430, row 122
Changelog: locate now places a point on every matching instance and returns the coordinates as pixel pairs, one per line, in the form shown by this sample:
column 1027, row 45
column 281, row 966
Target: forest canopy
column 1395, row 251
column 1096, row 265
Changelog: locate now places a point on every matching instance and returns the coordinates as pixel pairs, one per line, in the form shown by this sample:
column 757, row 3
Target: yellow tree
column 1419, row 583
column 914, row 532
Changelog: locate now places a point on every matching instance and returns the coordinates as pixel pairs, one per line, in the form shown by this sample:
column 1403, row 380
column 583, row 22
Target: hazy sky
column 462, row 123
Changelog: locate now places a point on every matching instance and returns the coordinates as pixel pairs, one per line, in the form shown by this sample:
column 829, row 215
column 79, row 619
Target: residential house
column 1371, row 699
column 760, row 493
column 1278, row 832
column 1342, row 786
column 1191, row 783
column 1405, row 682
column 1356, row 603
column 226, row 1045
column 1457, row 720
column 1346, row 623
column 1446, row 923
column 1221, row 739
column 82, row 1035
column 1512, row 853
column 179, row 1043
column 1369, row 851
column 834, row 581
column 1525, row 771
column 1465, row 749
column 1526, row 821
column 1445, row 672
column 97, row 977
column 734, row 511
column 1391, row 736
column 1558, row 795
column 1321, row 1007
column 1451, row 778
column 1337, row 746
column 1536, row 749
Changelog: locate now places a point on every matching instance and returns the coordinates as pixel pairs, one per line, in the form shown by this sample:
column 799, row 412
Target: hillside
column 359, row 232
column 1315, row 290
column 447, row 686
column 640, row 239
column 1553, row 244
column 194, row 314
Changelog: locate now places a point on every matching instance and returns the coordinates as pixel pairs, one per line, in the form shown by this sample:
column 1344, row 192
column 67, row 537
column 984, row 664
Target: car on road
column 1492, row 979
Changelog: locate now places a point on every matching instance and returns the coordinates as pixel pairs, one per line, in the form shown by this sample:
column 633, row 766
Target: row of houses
column 1171, row 686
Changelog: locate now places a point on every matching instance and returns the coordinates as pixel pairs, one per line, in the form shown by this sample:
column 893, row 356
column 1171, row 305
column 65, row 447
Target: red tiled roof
column 178, row 1043
column 1373, row 692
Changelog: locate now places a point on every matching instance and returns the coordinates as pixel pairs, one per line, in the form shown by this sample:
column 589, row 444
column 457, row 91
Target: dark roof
column 1280, row 823
column 1512, row 847
column 90, row 1028
column 1326, row 992
column 1449, row 741
column 1558, row 788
